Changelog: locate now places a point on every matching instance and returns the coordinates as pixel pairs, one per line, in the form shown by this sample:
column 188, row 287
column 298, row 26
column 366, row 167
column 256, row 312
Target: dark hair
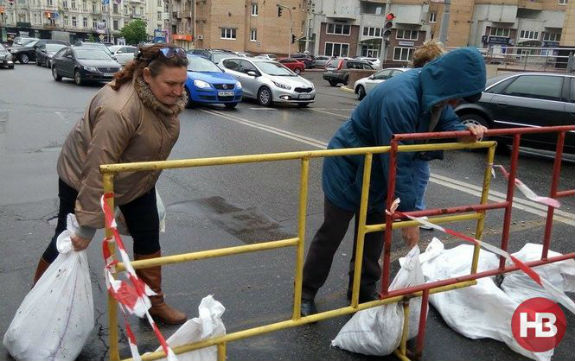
column 148, row 56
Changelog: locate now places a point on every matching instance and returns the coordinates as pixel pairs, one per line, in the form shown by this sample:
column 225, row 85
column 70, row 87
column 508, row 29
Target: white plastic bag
column 57, row 315
column 480, row 311
column 377, row 331
column 208, row 324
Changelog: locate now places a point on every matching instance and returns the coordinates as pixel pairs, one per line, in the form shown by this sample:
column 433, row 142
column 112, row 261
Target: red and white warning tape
column 527, row 192
column 556, row 293
column 133, row 296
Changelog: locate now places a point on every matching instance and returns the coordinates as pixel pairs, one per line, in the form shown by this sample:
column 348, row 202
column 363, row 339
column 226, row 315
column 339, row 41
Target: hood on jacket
column 457, row 74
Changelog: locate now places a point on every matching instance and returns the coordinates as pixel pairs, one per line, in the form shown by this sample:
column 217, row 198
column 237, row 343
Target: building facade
column 82, row 19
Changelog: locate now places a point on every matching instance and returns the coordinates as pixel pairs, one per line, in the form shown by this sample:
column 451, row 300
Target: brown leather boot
column 159, row 311
column 40, row 269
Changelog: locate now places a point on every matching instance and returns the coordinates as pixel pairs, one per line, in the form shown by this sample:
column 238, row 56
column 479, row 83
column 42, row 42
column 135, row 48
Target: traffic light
column 279, row 11
column 292, row 38
column 389, row 17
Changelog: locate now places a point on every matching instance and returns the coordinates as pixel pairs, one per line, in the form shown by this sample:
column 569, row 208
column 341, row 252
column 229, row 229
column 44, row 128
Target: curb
column 346, row 89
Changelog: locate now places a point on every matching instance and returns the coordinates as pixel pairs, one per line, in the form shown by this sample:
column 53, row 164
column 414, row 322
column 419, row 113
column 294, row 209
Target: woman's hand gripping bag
column 57, row 315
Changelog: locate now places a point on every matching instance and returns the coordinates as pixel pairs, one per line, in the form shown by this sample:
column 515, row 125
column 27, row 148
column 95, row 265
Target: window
column 116, row 25
column 74, row 22
column 66, row 21
column 65, row 4
column 336, row 49
column 159, row 15
column 402, row 54
column 94, row 7
column 94, row 24
column 84, row 5
column 528, row 34
column 563, row 2
column 160, row 4
column 373, row 32
column 254, row 9
column 432, row 17
column 115, row 8
column 73, row 4
column 253, row 35
column 228, row 33
column 338, row 29
column 49, row 2
column 85, row 22
column 536, row 86
column 552, row 36
column 407, row 34
column 499, row 32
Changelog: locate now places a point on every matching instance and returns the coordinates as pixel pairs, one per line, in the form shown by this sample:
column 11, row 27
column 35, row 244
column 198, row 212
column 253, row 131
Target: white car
column 269, row 82
column 123, row 53
column 364, row 85
column 375, row 62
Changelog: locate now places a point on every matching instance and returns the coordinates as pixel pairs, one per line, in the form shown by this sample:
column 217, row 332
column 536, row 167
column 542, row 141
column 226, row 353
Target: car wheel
column 360, row 92
column 24, row 59
column 474, row 119
column 47, row 64
column 333, row 82
column 265, row 96
column 55, row 74
column 38, row 63
column 231, row 105
column 77, row 77
column 189, row 102
column 302, row 105
column 345, row 79
column 297, row 71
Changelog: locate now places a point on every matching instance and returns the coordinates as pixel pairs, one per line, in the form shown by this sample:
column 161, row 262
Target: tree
column 134, row 32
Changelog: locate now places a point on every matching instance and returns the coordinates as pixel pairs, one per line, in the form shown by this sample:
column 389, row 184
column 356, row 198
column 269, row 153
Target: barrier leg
column 422, row 324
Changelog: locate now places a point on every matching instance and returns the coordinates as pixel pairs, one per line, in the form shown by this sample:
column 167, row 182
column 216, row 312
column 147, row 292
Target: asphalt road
column 233, row 205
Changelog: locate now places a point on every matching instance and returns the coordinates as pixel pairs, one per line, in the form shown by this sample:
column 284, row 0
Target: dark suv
column 214, row 55
column 526, row 100
column 337, row 70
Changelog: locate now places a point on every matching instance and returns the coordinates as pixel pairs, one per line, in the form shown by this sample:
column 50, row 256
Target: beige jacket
column 128, row 125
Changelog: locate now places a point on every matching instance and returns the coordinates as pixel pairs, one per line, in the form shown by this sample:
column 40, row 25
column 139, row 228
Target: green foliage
column 91, row 38
column 134, row 32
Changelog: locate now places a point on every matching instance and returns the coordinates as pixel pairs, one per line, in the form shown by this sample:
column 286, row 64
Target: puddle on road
column 249, row 225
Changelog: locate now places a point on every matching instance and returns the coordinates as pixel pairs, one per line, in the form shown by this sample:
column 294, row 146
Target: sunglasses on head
column 170, row 52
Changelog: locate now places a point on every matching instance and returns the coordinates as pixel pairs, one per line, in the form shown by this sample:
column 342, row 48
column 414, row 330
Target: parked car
column 5, row 58
column 307, row 59
column 123, row 53
column 270, row 82
column 207, row 83
column 45, row 52
column 336, row 70
column 83, row 64
column 214, row 55
column 267, row 56
column 321, row 61
column 364, row 85
column 23, row 50
column 293, row 64
column 375, row 62
column 526, row 100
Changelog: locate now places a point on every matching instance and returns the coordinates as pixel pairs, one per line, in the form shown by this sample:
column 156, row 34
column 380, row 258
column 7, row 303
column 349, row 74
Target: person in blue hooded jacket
column 407, row 103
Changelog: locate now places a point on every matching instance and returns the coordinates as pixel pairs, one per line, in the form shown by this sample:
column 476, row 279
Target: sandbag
column 57, row 315
column 378, row 330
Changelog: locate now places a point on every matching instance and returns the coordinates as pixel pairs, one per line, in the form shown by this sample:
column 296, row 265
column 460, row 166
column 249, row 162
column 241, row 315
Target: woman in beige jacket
column 134, row 118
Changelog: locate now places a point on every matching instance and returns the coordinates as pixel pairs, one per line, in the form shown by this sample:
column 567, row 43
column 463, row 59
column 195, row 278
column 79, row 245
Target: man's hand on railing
column 477, row 132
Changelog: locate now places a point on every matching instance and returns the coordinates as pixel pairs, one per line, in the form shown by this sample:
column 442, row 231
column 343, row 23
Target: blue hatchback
column 209, row 84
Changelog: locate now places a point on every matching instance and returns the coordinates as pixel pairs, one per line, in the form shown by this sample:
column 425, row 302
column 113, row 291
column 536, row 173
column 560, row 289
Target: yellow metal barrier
column 110, row 170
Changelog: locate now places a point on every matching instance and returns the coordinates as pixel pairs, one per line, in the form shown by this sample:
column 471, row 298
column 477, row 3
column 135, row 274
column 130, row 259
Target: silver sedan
column 269, row 82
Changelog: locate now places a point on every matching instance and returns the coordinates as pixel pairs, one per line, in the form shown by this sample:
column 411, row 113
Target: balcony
column 530, row 4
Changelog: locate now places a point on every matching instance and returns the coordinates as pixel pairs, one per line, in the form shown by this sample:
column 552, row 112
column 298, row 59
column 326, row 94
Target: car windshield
column 217, row 57
column 196, row 63
column 272, row 68
column 91, row 54
column 113, row 48
column 495, row 79
column 26, row 41
column 52, row 48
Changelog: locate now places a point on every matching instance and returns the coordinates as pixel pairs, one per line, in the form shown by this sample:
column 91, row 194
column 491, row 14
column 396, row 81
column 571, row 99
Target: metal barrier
column 472, row 212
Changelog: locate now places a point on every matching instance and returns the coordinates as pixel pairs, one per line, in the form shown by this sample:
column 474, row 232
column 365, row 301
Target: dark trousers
column 141, row 216
column 326, row 242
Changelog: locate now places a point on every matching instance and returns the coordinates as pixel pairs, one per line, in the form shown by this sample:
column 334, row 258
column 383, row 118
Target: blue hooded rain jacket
column 401, row 104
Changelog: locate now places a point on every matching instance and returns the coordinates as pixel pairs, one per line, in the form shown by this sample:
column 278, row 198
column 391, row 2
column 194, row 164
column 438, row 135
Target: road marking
column 330, row 113
column 518, row 203
column 262, row 108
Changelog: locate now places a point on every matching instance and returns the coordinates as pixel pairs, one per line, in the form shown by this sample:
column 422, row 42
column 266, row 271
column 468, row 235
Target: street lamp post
column 281, row 6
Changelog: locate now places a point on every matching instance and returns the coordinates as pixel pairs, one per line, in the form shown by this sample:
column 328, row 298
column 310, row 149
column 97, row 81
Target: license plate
column 305, row 96
column 109, row 74
column 226, row 94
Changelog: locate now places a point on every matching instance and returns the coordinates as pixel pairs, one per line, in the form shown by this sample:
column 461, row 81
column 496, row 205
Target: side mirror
column 252, row 73
column 371, row 77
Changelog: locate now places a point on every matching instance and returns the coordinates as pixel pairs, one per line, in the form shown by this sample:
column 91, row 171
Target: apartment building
column 83, row 19
column 255, row 26
column 355, row 27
